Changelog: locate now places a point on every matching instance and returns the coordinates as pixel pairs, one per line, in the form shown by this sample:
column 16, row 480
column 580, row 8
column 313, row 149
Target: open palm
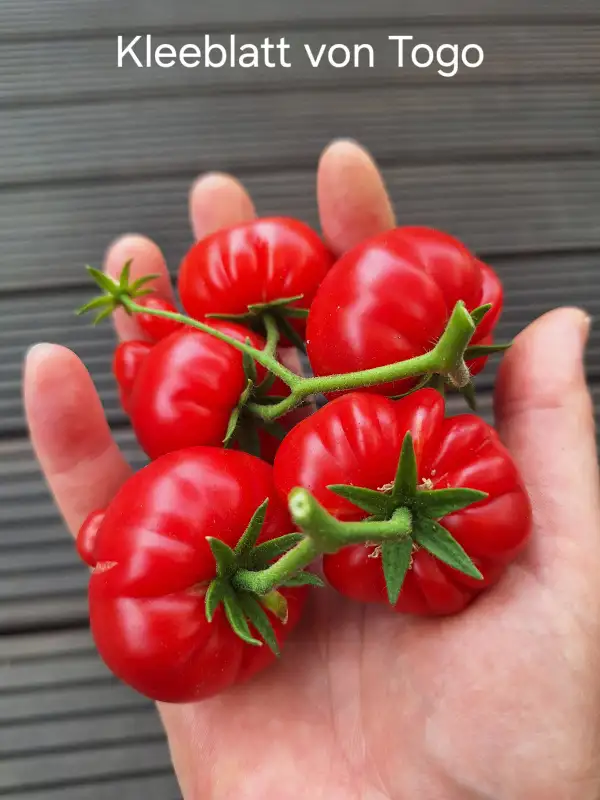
column 499, row 702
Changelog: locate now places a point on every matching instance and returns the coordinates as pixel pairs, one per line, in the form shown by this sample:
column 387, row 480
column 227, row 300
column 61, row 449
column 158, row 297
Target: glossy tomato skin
column 157, row 328
column 127, row 360
column 152, row 564
column 181, row 391
column 389, row 300
column 255, row 262
column 356, row 439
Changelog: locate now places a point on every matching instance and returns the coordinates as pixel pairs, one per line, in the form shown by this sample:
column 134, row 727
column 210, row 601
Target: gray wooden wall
column 505, row 156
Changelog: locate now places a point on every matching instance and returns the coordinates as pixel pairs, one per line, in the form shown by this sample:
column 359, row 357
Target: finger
column 146, row 259
column 71, row 438
column 353, row 202
column 545, row 416
column 218, row 201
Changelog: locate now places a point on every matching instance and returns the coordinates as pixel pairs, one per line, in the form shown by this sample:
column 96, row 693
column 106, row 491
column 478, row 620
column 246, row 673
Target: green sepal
column 296, row 313
column 214, row 597
column 479, row 313
column 232, row 426
column 290, row 332
column 249, row 365
column 137, row 284
column 470, row 395
column 237, row 618
column 97, row 302
column 478, row 350
column 104, row 281
column 250, row 536
column 437, row 503
column 395, row 557
column 276, row 603
column 224, row 556
column 239, row 605
column 374, row 503
column 434, row 538
column 125, row 274
column 115, row 291
column 103, row 315
column 304, row 579
column 420, row 385
column 262, row 555
column 254, row 611
column 405, row 482
column 280, row 303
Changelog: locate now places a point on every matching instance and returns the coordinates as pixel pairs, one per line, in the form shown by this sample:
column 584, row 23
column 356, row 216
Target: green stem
column 272, row 330
column 324, row 534
column 261, row 356
column 446, row 358
column 450, row 349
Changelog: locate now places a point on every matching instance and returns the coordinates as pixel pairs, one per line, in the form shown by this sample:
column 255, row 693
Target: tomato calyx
column 279, row 312
column 115, row 292
column 244, row 608
column 425, row 506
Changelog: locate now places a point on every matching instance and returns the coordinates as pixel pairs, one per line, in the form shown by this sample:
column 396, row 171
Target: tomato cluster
column 201, row 563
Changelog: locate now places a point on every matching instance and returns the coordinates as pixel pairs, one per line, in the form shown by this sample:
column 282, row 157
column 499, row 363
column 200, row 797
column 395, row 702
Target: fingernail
column 38, row 352
column 586, row 324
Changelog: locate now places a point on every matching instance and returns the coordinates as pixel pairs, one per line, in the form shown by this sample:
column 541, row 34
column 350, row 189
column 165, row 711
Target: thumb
column 545, row 416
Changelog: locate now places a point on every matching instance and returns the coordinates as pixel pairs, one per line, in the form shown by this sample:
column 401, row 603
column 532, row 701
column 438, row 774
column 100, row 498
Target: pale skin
column 499, row 703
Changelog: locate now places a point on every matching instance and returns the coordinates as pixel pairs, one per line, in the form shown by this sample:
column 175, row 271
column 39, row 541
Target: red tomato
column 157, row 328
column 152, row 566
column 255, row 262
column 389, row 299
column 356, row 439
column 127, row 361
column 183, row 392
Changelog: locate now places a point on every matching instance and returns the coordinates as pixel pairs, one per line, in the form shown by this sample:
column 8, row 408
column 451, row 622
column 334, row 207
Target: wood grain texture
column 49, row 231
column 241, row 132
column 84, row 70
column 62, row 17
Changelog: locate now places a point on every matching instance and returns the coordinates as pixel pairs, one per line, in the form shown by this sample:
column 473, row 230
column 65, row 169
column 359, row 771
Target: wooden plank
column 43, row 613
column 49, row 232
column 68, row 701
column 66, row 17
column 93, row 731
column 153, row 785
column 75, row 69
column 15, row 650
column 74, row 766
column 241, row 132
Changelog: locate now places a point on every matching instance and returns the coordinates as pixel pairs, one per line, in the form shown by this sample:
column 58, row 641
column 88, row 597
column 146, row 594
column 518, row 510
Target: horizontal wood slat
column 241, row 132
column 76, row 70
column 49, row 232
column 66, row 17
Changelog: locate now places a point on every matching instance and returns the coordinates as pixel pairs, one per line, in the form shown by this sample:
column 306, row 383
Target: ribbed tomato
column 389, row 299
column 258, row 262
column 182, row 391
column 356, row 440
column 152, row 565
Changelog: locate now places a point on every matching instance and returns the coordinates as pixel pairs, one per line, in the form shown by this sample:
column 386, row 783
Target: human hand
column 498, row 702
